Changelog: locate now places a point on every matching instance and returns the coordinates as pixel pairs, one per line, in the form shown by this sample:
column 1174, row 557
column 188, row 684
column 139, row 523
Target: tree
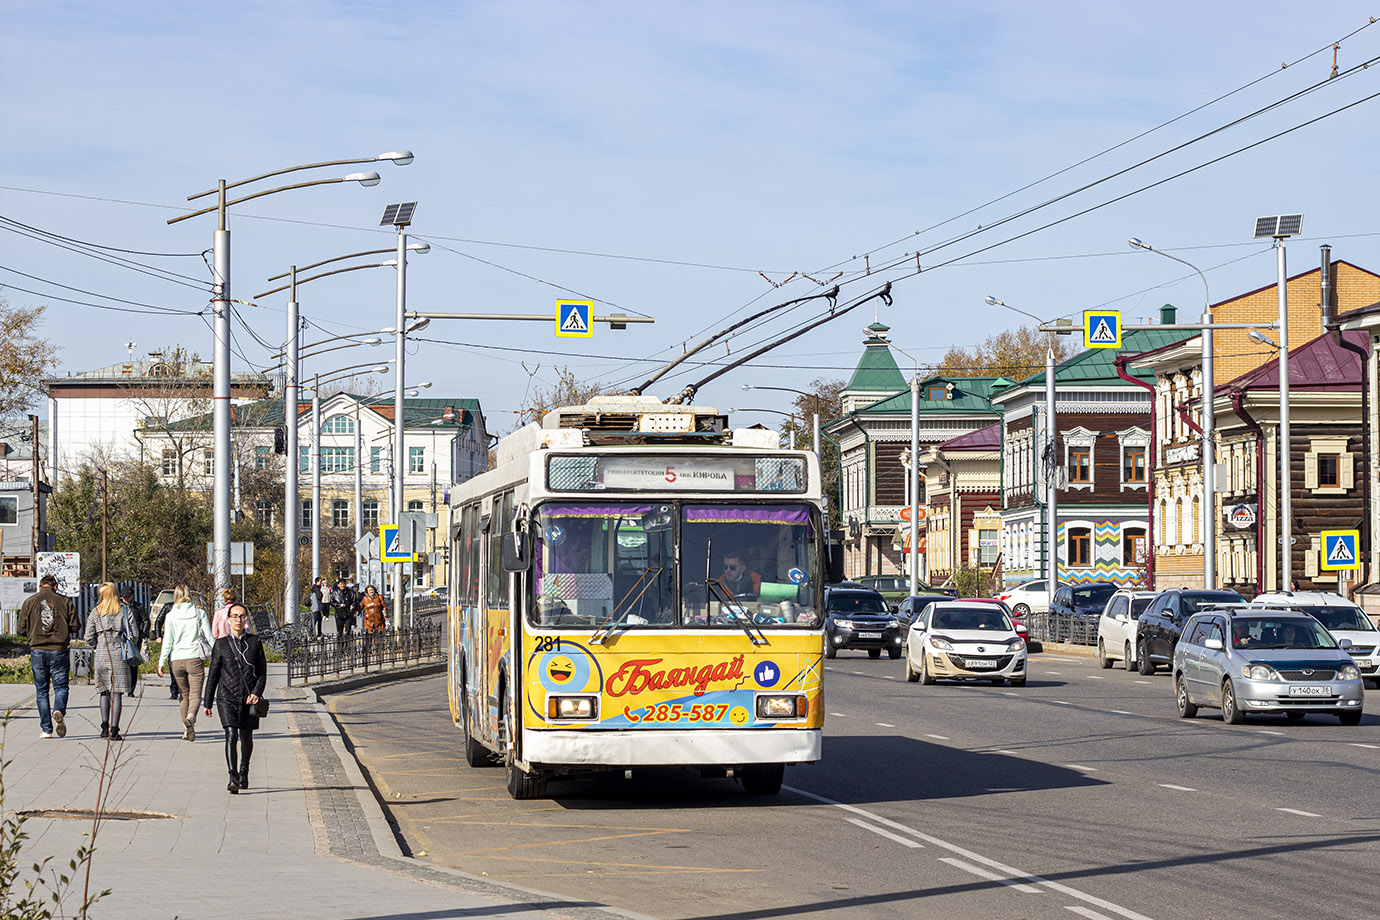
column 1014, row 353
column 568, row 390
column 25, row 359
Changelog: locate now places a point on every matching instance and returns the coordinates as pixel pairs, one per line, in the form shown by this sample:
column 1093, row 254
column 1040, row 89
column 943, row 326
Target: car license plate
column 869, row 635
column 978, row 664
column 1321, row 690
column 1362, row 662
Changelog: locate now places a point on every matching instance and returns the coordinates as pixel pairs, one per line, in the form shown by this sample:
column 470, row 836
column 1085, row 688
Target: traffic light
column 280, row 440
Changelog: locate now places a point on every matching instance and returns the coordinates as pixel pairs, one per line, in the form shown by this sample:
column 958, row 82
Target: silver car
column 953, row 640
column 1260, row 660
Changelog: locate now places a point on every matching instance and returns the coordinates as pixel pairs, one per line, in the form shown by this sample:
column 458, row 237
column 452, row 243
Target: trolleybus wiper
column 736, row 611
column 615, row 618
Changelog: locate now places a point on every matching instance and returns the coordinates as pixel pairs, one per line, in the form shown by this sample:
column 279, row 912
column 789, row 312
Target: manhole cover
column 87, row 814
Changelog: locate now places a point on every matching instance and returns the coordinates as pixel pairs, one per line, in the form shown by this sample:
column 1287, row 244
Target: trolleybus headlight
column 572, row 707
column 782, row 706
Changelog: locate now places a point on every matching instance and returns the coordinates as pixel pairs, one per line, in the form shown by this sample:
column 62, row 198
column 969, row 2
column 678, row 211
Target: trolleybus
column 637, row 584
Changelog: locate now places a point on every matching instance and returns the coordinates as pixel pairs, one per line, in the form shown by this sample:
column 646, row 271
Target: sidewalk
column 307, row 840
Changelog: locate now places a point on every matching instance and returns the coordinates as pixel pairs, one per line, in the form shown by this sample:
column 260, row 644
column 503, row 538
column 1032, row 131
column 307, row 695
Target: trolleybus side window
column 500, row 523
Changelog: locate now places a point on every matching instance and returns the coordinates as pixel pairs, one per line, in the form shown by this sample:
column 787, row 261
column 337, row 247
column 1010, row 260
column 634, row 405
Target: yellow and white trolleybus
column 637, row 584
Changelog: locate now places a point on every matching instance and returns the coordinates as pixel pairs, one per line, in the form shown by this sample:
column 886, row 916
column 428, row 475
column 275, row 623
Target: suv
column 1264, row 659
column 1163, row 621
column 1118, row 627
column 1342, row 618
column 1074, row 610
column 896, row 588
column 859, row 618
column 1026, row 598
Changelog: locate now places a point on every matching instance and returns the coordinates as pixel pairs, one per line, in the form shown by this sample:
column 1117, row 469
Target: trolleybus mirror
column 517, row 553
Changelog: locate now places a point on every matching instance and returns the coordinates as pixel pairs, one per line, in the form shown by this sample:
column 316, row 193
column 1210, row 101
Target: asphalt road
column 1081, row 794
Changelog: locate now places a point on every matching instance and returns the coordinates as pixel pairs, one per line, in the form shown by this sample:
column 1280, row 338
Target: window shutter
column 1310, row 470
column 1346, row 471
column 1310, row 565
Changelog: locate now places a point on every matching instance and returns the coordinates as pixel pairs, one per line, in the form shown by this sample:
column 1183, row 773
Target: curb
column 357, row 681
column 1083, row 651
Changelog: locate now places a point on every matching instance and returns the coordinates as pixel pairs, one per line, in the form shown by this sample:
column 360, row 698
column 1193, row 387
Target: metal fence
column 1070, row 629
column 313, row 658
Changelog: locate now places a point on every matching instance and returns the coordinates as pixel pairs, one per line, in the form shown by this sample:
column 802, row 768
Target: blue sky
column 656, row 157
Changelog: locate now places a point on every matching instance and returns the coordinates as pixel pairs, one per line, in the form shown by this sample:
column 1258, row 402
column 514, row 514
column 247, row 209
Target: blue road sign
column 1101, row 329
column 1339, row 549
column 575, row 319
column 390, row 546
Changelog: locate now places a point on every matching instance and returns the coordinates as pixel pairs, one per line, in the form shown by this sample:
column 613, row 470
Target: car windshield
column 1093, row 595
column 971, row 618
column 856, row 602
column 887, row 583
column 1138, row 605
column 1279, row 632
column 1340, row 617
column 1192, row 603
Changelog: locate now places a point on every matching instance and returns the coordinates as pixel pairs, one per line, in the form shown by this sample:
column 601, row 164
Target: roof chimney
column 1167, row 314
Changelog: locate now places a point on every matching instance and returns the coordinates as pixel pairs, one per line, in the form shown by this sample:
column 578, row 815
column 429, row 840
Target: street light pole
column 292, row 509
column 1286, row 479
column 399, row 416
column 1208, row 424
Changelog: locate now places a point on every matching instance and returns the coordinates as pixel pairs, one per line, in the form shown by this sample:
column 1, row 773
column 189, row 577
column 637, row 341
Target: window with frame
column 9, row 509
column 169, row 461
column 340, row 513
column 263, row 512
column 338, row 424
column 1329, row 471
column 1080, row 546
column 1328, row 467
column 416, row 459
column 306, row 513
column 416, row 504
column 304, row 458
column 262, row 457
column 337, row 459
column 1080, row 464
column 370, row 511
column 937, row 392
column 1133, row 546
column 988, row 546
column 375, row 459
column 1133, row 465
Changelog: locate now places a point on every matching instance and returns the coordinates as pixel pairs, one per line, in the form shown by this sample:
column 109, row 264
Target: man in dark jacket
column 141, row 619
column 49, row 621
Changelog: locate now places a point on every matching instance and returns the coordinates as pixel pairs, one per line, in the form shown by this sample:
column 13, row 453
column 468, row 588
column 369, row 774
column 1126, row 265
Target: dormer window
column 937, row 392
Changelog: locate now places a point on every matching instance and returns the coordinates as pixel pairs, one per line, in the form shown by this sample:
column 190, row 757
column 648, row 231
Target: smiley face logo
column 738, row 716
column 560, row 668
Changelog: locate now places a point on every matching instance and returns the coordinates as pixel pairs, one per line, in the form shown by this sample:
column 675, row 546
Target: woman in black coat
column 235, row 680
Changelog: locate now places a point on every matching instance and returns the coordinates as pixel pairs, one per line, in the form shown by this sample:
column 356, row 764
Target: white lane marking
column 1120, row 712
column 1093, row 676
column 1301, row 814
column 1061, row 702
column 1079, row 766
column 888, row 677
column 1359, row 744
column 1007, row 753
column 990, row 876
column 903, row 841
column 1149, row 681
column 839, row 715
column 857, row 673
column 1177, row 788
column 1266, row 731
column 940, row 737
column 884, row 725
column 1009, row 693
column 975, row 857
column 1085, row 912
column 1062, row 658
column 1054, row 672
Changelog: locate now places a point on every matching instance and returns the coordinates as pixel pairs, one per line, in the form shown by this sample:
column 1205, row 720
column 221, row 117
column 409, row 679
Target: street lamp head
column 371, row 340
column 399, row 157
column 421, row 248
column 993, row 302
column 1137, row 243
column 419, row 325
column 366, row 179
column 746, row 386
column 381, row 369
column 1259, row 338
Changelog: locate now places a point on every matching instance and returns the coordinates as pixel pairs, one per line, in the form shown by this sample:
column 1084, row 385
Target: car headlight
column 893, row 623
column 846, row 624
column 1348, row 672
column 1260, row 672
column 940, row 642
column 1016, row 644
column 572, row 707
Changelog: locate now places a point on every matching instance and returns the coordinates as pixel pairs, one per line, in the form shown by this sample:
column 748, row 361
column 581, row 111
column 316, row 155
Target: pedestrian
column 109, row 631
column 356, row 604
column 235, row 682
column 373, row 606
column 141, row 621
column 344, row 606
column 186, row 643
column 219, row 627
column 48, row 622
column 316, row 603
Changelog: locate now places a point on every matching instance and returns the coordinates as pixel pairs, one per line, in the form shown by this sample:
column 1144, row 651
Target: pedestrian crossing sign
column 574, row 319
column 390, row 545
column 1339, row 549
column 1101, row 329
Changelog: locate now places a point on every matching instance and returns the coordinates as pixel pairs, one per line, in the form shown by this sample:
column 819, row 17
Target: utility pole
column 33, row 446
column 105, row 516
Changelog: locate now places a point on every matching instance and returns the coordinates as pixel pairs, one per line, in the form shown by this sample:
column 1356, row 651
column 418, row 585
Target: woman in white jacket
column 184, row 633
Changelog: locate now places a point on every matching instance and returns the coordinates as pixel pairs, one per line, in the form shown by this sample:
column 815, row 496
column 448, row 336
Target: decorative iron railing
column 315, row 657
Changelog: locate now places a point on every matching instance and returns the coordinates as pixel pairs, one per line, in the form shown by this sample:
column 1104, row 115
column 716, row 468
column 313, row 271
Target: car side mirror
column 1214, row 644
column 1344, row 643
column 517, row 552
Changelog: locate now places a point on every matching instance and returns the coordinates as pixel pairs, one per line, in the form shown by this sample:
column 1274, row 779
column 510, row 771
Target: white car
column 1343, row 619
column 1116, row 629
column 1027, row 598
column 952, row 640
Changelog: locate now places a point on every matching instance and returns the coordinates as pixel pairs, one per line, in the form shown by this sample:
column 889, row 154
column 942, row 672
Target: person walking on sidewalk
column 141, row 621
column 219, row 627
column 342, row 599
column 235, row 682
column 317, row 602
column 186, row 642
column 49, row 621
column 108, row 630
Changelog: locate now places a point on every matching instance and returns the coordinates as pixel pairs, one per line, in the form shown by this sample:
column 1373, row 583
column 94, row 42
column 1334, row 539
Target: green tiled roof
column 876, row 371
column 971, row 395
column 1096, row 367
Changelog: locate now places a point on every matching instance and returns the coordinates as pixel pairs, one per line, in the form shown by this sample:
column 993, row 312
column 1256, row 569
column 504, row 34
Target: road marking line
column 888, row 677
column 1009, row 693
column 1079, row 766
column 940, row 737
column 1006, row 870
column 990, row 876
column 1177, row 788
column 839, row 715
column 1008, row 753
column 1093, row 676
column 857, row 673
column 1359, row 744
column 1085, row 912
column 1145, row 681
column 1266, row 731
column 1062, row 658
column 1121, row 712
column 1054, row 672
column 903, row 841
column 1301, row 814
column 884, row 725
column 1061, row 702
